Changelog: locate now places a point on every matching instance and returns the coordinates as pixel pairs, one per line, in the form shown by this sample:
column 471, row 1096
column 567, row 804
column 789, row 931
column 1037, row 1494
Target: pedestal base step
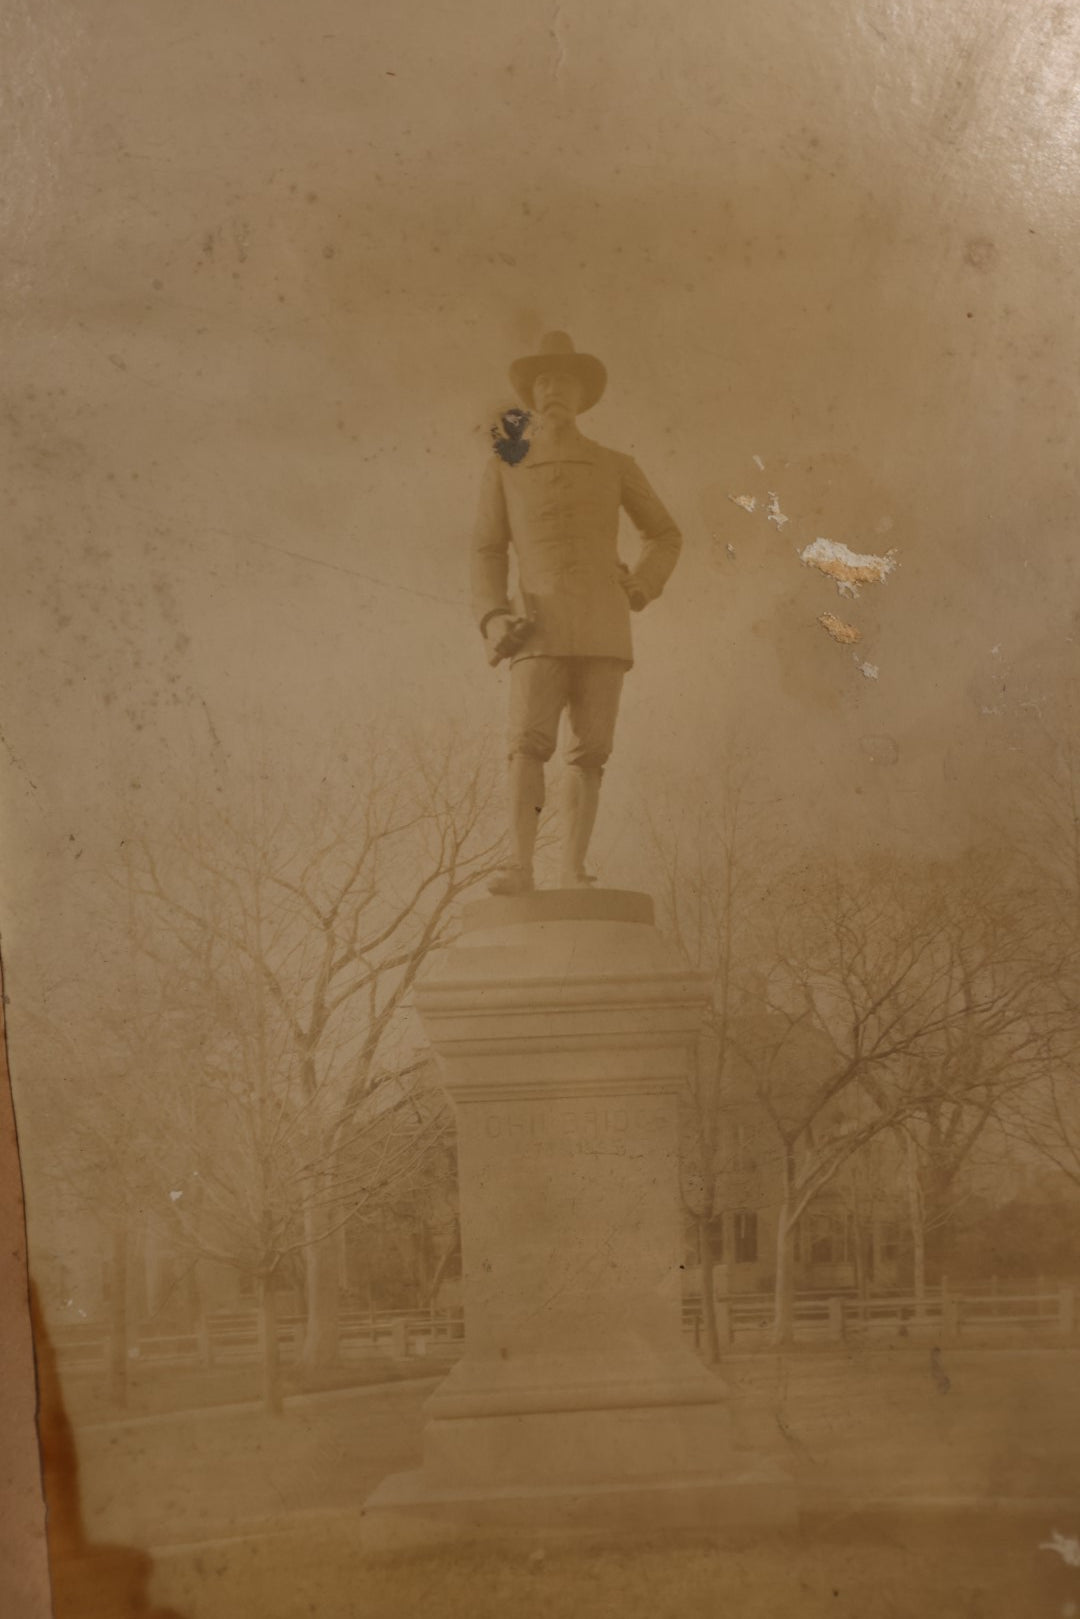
column 414, row 1509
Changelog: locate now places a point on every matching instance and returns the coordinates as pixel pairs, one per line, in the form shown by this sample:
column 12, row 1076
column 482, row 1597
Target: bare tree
column 104, row 1154
column 240, row 1189
column 1047, row 1120
column 712, row 859
column 298, row 931
column 925, row 987
column 998, row 972
column 820, row 1119
column 867, row 1187
column 1043, row 834
column 822, row 985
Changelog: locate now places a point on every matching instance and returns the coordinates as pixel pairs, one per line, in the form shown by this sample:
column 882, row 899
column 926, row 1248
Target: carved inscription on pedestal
column 575, row 1129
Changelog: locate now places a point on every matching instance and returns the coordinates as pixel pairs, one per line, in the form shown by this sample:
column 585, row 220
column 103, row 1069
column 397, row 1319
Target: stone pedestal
column 563, row 1023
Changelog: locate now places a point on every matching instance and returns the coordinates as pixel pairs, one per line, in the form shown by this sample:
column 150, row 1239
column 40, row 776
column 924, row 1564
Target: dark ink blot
column 509, row 437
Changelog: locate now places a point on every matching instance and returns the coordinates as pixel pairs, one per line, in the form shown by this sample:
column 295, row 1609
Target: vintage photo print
column 540, row 911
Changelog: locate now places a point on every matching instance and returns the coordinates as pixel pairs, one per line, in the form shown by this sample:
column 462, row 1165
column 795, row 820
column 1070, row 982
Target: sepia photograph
column 540, row 799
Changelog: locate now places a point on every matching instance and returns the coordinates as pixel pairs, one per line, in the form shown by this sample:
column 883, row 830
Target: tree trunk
column 193, row 1297
column 271, row 1358
column 197, row 1317
column 918, row 1230
column 918, row 1266
column 118, row 1309
column 784, row 1303
column 322, row 1286
column 862, row 1287
column 708, row 1298
column 448, row 1253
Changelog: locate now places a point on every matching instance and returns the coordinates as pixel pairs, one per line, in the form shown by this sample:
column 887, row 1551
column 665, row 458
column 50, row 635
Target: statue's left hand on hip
column 634, row 594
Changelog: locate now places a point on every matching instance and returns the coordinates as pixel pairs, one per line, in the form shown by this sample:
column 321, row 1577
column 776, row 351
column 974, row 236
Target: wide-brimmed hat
column 557, row 353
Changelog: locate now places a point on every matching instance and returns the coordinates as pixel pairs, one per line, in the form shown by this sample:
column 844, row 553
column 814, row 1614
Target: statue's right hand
column 498, row 637
column 504, row 634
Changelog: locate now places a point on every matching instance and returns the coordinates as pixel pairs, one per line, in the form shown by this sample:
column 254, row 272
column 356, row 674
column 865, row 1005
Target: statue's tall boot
column 526, row 791
column 580, row 800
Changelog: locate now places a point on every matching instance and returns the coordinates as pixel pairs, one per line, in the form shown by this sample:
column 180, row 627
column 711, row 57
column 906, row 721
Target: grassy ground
column 247, row 1514
column 875, row 1424
column 156, row 1390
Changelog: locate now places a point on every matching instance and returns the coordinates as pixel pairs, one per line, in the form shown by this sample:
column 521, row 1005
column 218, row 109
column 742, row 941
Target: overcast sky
column 266, row 267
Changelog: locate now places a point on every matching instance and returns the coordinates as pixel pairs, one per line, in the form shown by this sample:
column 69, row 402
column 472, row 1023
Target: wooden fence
column 234, row 1338
column 986, row 1315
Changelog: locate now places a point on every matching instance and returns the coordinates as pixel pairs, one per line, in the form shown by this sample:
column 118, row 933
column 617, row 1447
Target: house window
column 745, row 1237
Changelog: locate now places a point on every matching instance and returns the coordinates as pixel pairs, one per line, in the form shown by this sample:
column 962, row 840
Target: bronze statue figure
column 553, row 496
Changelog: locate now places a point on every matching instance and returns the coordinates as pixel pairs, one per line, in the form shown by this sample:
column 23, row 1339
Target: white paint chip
column 774, row 514
column 174, row 1197
column 1066, row 1546
column 847, row 567
column 846, row 634
column 730, row 549
column 869, row 671
column 747, row 502
column 759, row 463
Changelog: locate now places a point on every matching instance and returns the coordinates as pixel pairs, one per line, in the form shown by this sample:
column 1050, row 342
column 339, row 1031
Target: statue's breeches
column 587, row 688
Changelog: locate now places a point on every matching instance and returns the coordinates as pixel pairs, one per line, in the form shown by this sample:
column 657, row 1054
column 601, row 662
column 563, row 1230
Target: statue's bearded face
column 557, row 396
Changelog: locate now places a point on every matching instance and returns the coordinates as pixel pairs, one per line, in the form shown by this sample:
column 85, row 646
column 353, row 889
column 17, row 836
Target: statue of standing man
column 553, row 496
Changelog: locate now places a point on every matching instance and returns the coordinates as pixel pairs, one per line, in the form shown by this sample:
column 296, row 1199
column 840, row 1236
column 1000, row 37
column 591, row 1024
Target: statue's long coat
column 560, row 515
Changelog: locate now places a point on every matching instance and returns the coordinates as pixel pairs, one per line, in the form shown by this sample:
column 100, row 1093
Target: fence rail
column 233, row 1338
column 941, row 1312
